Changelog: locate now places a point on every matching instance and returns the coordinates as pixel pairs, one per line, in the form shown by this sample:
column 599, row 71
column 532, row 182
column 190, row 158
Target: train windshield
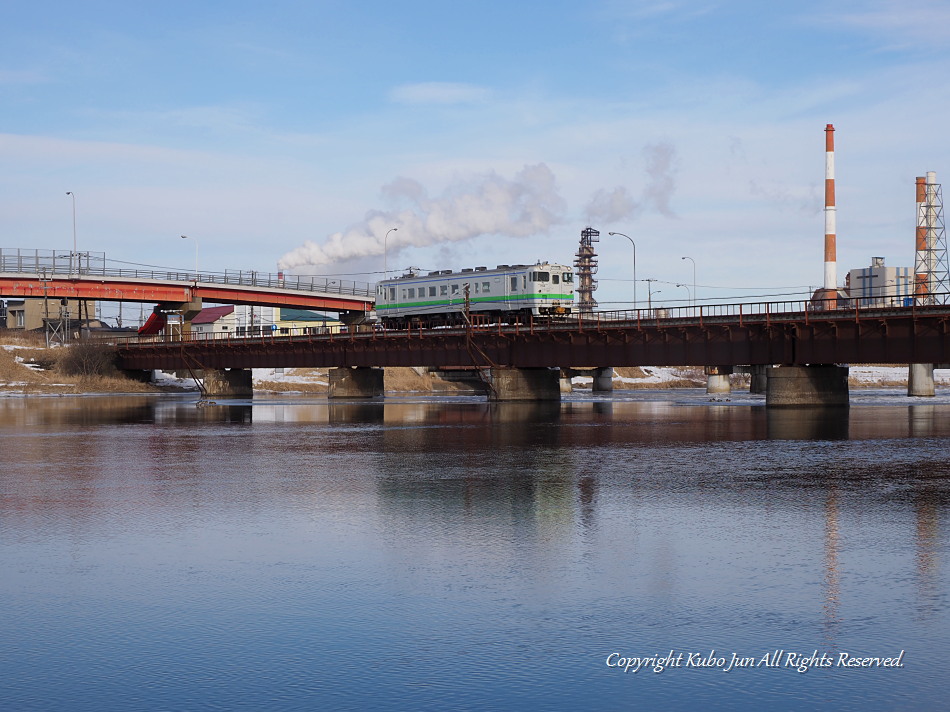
column 568, row 277
column 540, row 276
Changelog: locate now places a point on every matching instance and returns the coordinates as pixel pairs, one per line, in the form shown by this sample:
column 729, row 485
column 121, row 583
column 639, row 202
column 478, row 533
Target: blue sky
column 294, row 134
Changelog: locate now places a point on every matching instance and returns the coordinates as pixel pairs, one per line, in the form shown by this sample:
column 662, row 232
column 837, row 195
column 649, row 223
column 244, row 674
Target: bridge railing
column 49, row 264
column 739, row 314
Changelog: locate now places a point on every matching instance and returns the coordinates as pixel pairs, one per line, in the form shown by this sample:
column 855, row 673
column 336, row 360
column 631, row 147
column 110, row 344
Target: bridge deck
column 693, row 336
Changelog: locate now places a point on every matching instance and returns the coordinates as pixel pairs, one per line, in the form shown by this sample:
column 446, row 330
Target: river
column 446, row 553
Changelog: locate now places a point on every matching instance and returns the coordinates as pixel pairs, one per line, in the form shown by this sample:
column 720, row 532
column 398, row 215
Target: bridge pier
column 519, row 384
column 603, row 380
column 231, row 382
column 356, row 382
column 807, row 385
column 920, row 379
column 759, row 381
column 717, row 379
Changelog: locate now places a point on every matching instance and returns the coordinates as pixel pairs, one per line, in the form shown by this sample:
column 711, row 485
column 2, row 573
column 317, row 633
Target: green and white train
column 505, row 294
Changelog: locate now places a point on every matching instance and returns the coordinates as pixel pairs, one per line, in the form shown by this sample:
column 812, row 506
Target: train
column 505, row 294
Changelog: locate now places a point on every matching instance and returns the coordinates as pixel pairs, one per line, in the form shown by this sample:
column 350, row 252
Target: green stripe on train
column 527, row 300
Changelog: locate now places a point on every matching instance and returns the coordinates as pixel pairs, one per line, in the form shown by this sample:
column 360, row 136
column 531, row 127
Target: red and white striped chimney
column 921, row 272
column 831, row 259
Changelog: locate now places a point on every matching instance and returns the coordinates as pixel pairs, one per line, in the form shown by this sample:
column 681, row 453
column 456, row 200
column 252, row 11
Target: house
column 31, row 314
column 304, row 321
column 214, row 320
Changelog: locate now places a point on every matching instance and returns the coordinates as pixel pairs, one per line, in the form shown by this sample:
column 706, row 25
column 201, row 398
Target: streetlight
column 694, row 277
column 686, row 287
column 385, row 239
column 634, row 264
column 73, row 196
column 650, row 292
column 195, row 240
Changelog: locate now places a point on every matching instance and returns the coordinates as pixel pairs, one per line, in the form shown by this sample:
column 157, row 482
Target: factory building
column 881, row 286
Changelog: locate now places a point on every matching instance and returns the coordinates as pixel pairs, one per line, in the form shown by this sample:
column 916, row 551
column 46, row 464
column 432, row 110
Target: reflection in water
column 446, row 540
column 808, row 423
column 832, row 574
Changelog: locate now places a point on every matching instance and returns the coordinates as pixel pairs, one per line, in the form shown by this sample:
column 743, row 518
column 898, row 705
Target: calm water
column 449, row 554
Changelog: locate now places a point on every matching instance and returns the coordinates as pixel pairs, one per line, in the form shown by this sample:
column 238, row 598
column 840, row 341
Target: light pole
column 686, row 287
column 385, row 240
column 195, row 240
column 75, row 254
column 694, row 277
column 650, row 292
column 634, row 264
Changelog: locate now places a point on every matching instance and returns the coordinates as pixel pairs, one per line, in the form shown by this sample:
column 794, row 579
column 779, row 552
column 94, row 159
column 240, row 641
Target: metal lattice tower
column 931, row 268
column 586, row 264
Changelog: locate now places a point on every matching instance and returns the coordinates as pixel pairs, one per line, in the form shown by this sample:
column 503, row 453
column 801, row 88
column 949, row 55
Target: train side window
column 392, row 294
column 412, row 292
column 514, row 284
column 431, row 291
column 476, row 287
column 403, row 292
column 455, row 289
column 486, row 286
column 524, row 282
column 444, row 290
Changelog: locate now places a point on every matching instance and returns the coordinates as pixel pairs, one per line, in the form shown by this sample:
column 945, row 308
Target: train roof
column 466, row 271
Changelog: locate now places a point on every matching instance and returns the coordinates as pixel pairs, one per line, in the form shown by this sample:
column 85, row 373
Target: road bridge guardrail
column 49, row 264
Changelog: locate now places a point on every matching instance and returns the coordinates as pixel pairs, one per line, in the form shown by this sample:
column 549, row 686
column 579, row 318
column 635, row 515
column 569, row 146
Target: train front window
column 555, row 279
column 540, row 276
column 568, row 277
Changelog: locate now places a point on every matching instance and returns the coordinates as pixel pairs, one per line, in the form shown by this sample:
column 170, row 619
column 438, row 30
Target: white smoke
column 526, row 205
column 611, row 206
column 614, row 205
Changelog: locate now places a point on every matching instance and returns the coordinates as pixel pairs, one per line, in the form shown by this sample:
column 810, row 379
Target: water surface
column 426, row 553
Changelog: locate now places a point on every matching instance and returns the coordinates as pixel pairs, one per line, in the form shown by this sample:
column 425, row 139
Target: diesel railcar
column 505, row 293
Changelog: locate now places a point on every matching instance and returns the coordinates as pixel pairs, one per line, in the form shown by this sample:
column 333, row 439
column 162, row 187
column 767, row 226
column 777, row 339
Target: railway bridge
column 804, row 350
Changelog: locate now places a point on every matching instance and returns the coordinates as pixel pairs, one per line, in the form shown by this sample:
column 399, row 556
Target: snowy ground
column 655, row 375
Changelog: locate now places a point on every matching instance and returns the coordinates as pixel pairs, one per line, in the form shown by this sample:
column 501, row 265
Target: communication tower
column 931, row 269
column 586, row 264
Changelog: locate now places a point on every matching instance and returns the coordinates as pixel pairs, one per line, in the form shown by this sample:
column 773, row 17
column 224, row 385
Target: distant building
column 215, row 320
column 304, row 321
column 32, row 314
column 880, row 286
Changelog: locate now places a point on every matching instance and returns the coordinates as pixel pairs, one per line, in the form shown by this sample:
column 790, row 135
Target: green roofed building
column 290, row 321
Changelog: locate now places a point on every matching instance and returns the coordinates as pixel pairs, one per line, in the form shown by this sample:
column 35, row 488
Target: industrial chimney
column 827, row 296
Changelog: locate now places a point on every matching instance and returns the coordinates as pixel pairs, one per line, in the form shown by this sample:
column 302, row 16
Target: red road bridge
column 772, row 333
column 87, row 276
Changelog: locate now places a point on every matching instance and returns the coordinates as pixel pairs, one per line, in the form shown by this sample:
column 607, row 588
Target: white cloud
column 439, row 93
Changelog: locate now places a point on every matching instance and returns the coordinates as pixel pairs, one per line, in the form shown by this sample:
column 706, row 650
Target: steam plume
column 526, row 205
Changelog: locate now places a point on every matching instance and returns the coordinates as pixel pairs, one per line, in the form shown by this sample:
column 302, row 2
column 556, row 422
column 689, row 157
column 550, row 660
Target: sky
column 293, row 136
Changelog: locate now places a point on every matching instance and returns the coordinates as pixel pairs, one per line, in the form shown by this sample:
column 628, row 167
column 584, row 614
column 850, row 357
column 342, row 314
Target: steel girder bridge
column 773, row 333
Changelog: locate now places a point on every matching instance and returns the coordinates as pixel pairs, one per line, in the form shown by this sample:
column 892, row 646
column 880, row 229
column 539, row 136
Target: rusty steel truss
column 701, row 336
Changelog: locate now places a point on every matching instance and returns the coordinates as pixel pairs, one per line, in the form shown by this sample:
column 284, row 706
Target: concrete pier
column 717, row 379
column 228, row 383
column 525, row 384
column 759, row 380
column 603, row 380
column 920, row 379
column 356, row 383
column 807, row 385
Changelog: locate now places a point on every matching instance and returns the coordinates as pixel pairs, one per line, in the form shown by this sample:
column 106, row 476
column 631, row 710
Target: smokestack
column 921, row 271
column 831, row 259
